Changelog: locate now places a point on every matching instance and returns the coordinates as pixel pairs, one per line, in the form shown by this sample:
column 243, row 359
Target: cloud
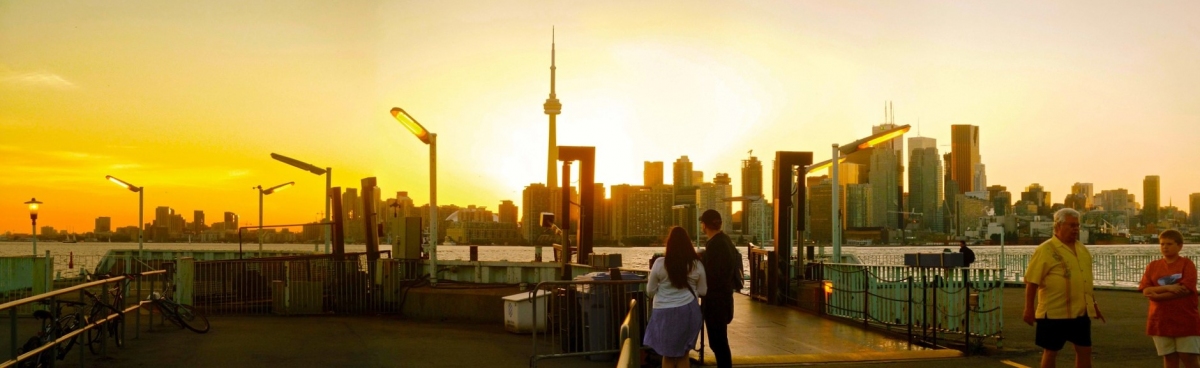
column 34, row 79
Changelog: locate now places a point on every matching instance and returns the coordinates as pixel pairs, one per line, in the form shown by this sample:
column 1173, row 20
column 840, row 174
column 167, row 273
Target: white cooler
column 518, row 315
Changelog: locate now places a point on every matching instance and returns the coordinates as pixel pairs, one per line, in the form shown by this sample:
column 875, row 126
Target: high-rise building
column 351, row 205
column 619, row 211
column 711, row 196
column 649, row 211
column 508, row 212
column 104, row 224
column 752, row 177
column 979, row 182
column 535, row 199
column 652, row 173
column 162, row 216
column 697, row 177
column 1150, row 194
column 925, row 183
column 1038, row 195
column 198, row 224
column 686, row 216
column 885, row 180
column 1194, row 207
column 1001, row 200
column 1085, row 191
column 759, row 219
column 231, row 221
column 858, row 206
column 685, row 191
column 601, row 216
column 820, row 211
column 964, row 155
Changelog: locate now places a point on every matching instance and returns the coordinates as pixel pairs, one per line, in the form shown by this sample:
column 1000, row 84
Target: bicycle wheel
column 67, row 324
column 41, row 360
column 192, row 319
column 99, row 312
column 170, row 312
column 116, row 329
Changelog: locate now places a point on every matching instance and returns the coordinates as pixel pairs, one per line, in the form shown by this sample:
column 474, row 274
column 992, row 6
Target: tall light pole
column 430, row 139
column 33, row 210
column 140, row 191
column 264, row 192
column 840, row 153
column 328, row 172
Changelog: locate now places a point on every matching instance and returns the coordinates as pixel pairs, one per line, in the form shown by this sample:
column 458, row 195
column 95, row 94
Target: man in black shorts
column 1058, row 292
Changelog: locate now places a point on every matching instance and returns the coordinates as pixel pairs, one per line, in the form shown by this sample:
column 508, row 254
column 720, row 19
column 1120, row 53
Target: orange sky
column 189, row 99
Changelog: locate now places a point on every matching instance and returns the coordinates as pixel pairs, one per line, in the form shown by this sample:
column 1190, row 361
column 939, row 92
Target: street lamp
column 263, row 192
column 328, row 172
column 33, row 210
column 140, row 191
column 841, row 153
column 430, row 139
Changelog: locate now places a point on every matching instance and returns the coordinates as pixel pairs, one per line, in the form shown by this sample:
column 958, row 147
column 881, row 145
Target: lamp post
column 264, row 192
column 839, row 154
column 328, row 172
column 140, row 191
column 430, row 139
column 33, row 210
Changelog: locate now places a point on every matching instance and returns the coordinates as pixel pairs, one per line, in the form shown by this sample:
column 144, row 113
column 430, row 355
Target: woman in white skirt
column 676, row 282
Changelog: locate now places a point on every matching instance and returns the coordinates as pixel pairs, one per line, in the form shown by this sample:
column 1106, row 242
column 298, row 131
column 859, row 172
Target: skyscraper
column 1038, row 195
column 104, row 224
column 508, row 212
column 885, row 180
column 685, row 191
column 652, row 173
column 964, row 155
column 711, row 196
column 619, row 211
column 198, row 223
column 925, row 184
column 859, row 209
column 1001, row 200
column 1150, row 194
column 231, row 222
column 1085, row 191
column 752, row 184
column 649, row 211
column 1194, row 208
column 535, row 199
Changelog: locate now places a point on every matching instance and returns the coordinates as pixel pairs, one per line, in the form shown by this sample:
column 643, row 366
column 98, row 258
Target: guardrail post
column 967, row 324
column 12, row 322
column 85, row 335
column 910, row 311
column 184, row 279
column 137, row 322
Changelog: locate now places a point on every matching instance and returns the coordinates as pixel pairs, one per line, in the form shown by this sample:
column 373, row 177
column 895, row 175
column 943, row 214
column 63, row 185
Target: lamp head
column 277, row 188
column 413, row 126
column 547, row 219
column 33, row 207
column 298, row 164
column 123, row 184
column 875, row 139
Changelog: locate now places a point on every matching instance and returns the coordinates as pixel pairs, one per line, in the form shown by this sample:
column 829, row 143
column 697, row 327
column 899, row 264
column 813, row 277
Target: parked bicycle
column 101, row 311
column 51, row 330
column 183, row 315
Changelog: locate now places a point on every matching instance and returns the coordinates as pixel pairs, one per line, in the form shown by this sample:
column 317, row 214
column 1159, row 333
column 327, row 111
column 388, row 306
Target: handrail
column 631, row 346
column 19, row 302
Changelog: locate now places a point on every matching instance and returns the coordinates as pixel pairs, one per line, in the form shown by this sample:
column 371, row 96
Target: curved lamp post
column 328, row 172
column 430, row 139
column 140, row 191
column 840, row 153
column 263, row 192
column 34, row 205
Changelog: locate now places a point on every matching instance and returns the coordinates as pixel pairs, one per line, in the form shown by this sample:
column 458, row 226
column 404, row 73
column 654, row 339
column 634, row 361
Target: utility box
column 408, row 238
column 518, row 312
column 605, row 261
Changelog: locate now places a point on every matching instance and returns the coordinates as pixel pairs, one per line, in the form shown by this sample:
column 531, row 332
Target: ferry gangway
column 77, row 294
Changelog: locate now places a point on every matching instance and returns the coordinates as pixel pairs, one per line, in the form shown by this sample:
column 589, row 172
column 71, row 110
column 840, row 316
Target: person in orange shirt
column 1174, row 317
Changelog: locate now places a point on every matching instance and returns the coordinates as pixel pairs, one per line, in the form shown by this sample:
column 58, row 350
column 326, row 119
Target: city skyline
column 111, row 90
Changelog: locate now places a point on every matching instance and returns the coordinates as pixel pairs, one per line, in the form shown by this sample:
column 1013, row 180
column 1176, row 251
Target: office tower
column 649, row 211
column 619, row 211
column 552, row 108
column 759, row 218
column 1001, row 200
column 535, row 199
column 104, row 224
column 1038, row 195
column 885, row 180
column 859, row 209
column 162, row 216
column 508, row 212
column 820, row 208
column 685, row 191
column 697, row 177
column 1194, row 208
column 964, row 155
column 351, row 205
column 686, row 216
column 979, row 182
column 1085, row 191
column 601, row 218
column 752, row 184
column 652, row 174
column 198, row 223
column 925, row 182
column 231, row 221
column 1150, row 193
column 712, row 196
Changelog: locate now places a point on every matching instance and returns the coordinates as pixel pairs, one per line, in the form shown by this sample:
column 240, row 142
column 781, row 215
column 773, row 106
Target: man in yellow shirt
column 1059, row 276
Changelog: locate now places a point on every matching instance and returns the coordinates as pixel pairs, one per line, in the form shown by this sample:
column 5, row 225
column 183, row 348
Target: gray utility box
column 934, row 260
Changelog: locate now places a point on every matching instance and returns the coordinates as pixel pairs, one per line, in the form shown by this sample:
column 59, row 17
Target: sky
column 189, row 99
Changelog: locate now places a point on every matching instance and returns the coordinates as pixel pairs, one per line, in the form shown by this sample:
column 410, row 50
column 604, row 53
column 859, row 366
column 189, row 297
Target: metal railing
column 1122, row 271
column 317, row 284
column 584, row 318
column 929, row 305
column 631, row 338
column 52, row 298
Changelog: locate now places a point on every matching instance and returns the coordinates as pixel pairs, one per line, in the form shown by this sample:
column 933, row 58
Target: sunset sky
column 190, row 98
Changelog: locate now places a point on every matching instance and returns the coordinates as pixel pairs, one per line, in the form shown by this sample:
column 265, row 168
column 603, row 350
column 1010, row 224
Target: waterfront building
column 619, row 211
column 535, row 199
column 685, row 216
column 712, row 196
column 477, row 225
column 601, row 215
column 760, row 225
column 1001, row 200
column 649, row 211
column 1085, row 191
column 1036, row 194
column 752, row 186
column 685, row 191
column 652, row 173
column 964, row 156
column 1194, row 206
column 103, row 225
column 925, row 184
column 858, row 206
column 198, row 224
column 1151, row 196
column 820, row 207
column 231, row 221
column 508, row 212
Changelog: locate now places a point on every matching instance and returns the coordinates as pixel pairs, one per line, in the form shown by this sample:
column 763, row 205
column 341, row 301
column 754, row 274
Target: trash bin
column 602, row 319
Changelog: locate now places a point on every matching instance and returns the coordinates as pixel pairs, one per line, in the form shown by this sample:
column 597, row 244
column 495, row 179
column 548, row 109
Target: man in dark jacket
column 968, row 254
column 717, row 305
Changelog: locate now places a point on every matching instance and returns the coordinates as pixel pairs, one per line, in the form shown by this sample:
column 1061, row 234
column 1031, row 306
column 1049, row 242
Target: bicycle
column 101, row 310
column 51, row 331
column 182, row 315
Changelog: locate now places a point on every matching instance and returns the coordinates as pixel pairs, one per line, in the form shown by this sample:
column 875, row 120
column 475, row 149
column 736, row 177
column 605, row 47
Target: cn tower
column 552, row 108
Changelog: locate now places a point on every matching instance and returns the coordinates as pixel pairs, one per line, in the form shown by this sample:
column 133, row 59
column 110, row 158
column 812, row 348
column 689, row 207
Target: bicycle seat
column 41, row 314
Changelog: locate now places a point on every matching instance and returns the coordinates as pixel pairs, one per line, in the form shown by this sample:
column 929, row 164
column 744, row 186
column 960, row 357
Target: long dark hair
column 680, row 257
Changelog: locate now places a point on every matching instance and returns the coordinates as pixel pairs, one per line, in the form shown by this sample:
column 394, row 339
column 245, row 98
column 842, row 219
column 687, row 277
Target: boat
column 70, row 239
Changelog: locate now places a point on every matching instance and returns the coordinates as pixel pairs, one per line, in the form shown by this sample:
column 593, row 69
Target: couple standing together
column 680, row 280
